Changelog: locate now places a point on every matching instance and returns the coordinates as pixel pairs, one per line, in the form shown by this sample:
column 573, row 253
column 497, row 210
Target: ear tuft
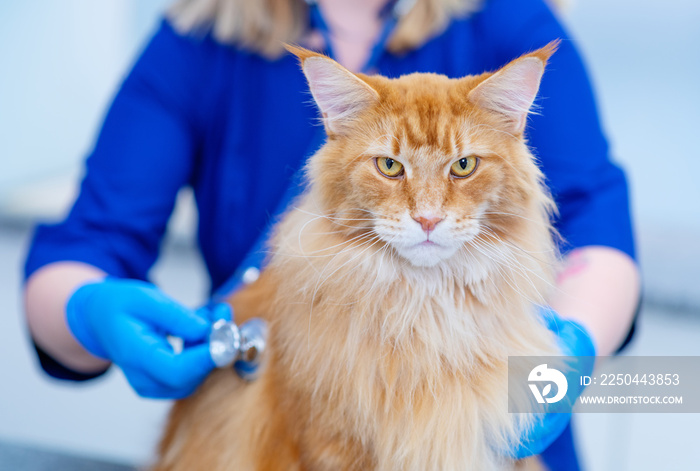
column 511, row 91
column 340, row 94
column 544, row 53
column 301, row 52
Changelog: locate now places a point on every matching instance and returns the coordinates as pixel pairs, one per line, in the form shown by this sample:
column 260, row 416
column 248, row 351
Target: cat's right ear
column 511, row 91
column 340, row 95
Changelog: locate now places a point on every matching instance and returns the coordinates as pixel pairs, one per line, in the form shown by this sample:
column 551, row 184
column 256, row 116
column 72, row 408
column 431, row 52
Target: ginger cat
column 397, row 286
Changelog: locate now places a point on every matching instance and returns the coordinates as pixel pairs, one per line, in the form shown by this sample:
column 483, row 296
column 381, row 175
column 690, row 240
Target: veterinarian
column 214, row 103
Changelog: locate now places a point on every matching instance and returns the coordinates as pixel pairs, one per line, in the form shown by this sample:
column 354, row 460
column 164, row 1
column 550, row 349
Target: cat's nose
column 428, row 223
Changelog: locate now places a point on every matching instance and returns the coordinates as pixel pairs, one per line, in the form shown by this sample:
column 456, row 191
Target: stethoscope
column 389, row 15
column 244, row 346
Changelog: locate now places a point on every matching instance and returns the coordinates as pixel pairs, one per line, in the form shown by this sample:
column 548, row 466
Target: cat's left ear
column 511, row 91
column 341, row 95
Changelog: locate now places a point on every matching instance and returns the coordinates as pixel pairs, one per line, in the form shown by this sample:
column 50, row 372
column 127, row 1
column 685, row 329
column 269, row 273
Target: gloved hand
column 128, row 321
column 575, row 342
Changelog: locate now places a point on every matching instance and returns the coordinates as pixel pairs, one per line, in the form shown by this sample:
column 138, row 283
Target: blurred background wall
column 60, row 64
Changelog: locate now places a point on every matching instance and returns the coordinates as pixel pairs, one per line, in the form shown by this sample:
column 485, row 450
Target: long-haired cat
column 396, row 289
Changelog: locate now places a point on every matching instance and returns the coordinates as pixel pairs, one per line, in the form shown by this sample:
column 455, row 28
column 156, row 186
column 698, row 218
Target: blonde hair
column 263, row 26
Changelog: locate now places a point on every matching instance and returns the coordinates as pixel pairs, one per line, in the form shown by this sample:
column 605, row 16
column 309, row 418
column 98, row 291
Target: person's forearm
column 599, row 287
column 45, row 296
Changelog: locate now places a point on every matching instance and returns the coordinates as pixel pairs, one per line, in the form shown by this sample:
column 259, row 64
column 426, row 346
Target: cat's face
column 428, row 165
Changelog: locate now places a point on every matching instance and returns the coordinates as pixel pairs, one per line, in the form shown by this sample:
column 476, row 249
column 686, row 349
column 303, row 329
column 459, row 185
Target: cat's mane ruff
column 387, row 343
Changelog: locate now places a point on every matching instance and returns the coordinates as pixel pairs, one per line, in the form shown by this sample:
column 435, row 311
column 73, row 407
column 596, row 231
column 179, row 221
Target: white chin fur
column 425, row 255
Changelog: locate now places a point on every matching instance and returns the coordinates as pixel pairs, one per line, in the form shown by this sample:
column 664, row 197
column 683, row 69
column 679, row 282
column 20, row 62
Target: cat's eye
column 465, row 166
column 389, row 167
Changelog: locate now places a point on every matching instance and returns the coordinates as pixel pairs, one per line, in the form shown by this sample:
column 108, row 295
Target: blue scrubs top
column 236, row 126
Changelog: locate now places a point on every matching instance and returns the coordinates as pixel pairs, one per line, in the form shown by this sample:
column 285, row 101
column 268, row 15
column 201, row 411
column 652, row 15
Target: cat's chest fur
column 405, row 365
column 411, row 376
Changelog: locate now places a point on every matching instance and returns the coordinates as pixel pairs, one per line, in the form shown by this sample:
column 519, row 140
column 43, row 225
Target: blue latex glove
column 128, row 321
column 574, row 341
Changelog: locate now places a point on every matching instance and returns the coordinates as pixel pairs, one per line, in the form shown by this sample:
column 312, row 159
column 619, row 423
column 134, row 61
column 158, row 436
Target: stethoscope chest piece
column 243, row 346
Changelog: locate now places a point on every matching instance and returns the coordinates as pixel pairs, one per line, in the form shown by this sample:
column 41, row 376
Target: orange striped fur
column 385, row 354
